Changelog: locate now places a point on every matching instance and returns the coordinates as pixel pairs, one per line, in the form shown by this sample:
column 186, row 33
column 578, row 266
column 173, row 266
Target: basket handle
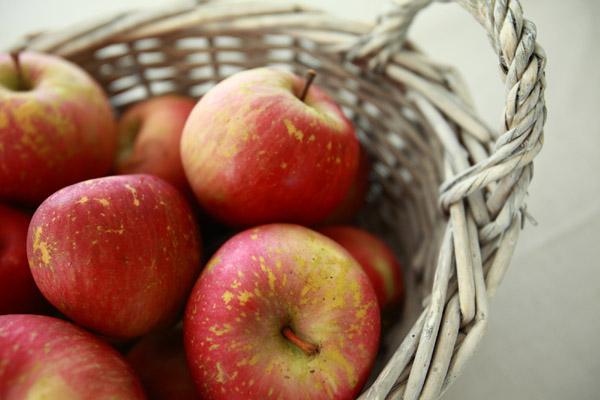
column 389, row 34
column 522, row 63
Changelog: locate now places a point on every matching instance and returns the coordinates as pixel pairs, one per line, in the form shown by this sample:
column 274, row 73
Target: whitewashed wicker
column 448, row 190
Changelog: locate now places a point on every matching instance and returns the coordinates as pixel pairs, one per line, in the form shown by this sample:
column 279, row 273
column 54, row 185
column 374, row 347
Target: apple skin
column 376, row 259
column 47, row 358
column 59, row 132
column 117, row 254
column 160, row 362
column 355, row 197
column 149, row 136
column 18, row 292
column 255, row 153
column 261, row 281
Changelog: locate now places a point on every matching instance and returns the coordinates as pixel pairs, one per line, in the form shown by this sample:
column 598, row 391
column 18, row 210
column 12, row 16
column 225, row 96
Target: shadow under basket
column 447, row 191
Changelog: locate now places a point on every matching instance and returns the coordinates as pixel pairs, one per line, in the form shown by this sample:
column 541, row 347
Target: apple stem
column 15, row 57
column 308, row 348
column 310, row 77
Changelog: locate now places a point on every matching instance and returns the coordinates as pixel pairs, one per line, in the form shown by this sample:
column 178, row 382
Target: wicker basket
column 414, row 117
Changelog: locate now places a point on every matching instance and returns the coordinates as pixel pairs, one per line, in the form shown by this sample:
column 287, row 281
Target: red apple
column 254, row 152
column 56, row 127
column 149, row 137
column 18, row 293
column 281, row 311
column 160, row 362
column 355, row 197
column 46, row 358
column 117, row 255
column 376, row 258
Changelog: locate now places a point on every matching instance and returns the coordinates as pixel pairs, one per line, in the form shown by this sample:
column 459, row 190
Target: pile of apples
column 105, row 291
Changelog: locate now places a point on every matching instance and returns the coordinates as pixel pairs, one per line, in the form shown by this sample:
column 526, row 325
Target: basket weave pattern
column 447, row 190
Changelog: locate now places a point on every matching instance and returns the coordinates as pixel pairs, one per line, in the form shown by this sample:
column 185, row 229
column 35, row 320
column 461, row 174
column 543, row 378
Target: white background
column 542, row 341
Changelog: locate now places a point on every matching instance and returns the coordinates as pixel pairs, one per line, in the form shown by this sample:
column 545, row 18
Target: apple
column 259, row 148
column 376, row 259
column 118, row 255
column 47, row 358
column 281, row 311
column 355, row 197
column 56, row 127
column 149, row 134
column 18, row 293
column 160, row 362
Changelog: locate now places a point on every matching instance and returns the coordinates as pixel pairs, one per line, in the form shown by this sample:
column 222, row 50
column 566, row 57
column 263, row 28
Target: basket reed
column 447, row 190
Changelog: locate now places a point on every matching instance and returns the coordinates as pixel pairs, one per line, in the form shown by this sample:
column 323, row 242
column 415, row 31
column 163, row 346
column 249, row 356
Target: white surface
column 542, row 339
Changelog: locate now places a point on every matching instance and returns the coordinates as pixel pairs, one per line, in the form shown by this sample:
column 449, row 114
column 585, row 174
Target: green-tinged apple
column 117, row 254
column 149, row 137
column 56, row 127
column 159, row 360
column 355, row 197
column 18, row 293
column 47, row 358
column 377, row 260
column 281, row 312
column 262, row 146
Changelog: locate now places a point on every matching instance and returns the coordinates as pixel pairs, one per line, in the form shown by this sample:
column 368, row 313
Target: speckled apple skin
column 263, row 280
column 47, row 358
column 59, row 132
column 117, row 254
column 254, row 153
